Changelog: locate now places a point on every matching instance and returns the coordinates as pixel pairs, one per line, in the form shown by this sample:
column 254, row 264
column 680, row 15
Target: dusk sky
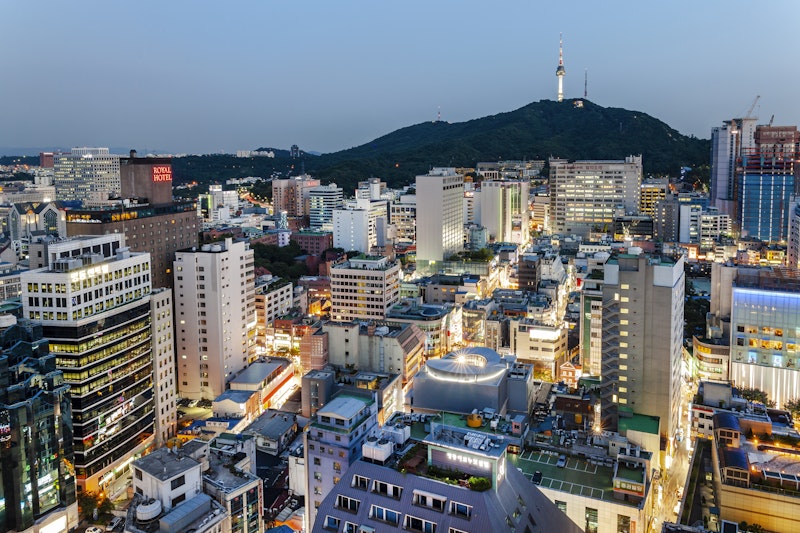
column 200, row 77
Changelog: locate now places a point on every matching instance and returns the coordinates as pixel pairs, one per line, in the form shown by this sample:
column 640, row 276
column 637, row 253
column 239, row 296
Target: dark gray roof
column 490, row 509
column 733, row 458
column 725, row 420
column 164, row 464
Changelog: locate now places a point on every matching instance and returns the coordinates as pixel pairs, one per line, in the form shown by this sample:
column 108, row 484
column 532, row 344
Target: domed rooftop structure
column 468, row 364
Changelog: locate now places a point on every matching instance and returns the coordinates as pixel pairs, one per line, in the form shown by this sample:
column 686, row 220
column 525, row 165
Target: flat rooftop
column 163, row 464
column 579, row 477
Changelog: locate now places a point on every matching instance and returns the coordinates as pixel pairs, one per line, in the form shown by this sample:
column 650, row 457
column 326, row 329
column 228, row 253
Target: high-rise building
column 333, row 442
column 364, row 288
column 403, row 214
column 94, row 305
column 86, row 173
column 727, row 143
column 793, row 246
column 504, row 210
column 653, row 191
column 323, row 200
column 215, row 316
column 642, row 339
column 351, row 229
column 165, row 385
column 766, row 182
column 586, row 195
column 37, row 476
column 151, row 221
column 759, row 310
column 440, row 215
column 293, row 195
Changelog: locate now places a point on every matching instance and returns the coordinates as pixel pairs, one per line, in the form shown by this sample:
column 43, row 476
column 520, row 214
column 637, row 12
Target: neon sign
column 162, row 173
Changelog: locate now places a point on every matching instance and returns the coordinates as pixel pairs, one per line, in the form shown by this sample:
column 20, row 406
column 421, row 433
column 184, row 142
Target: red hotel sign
column 162, row 173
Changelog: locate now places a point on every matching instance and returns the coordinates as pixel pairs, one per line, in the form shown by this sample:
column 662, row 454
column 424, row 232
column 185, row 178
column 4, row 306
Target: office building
column 761, row 306
column 151, row 221
column 323, row 200
column 727, row 144
column 390, row 347
column 86, row 173
column 766, row 183
column 642, row 339
column 293, row 195
column 351, row 229
column 26, row 221
column 440, row 211
column 372, row 497
column 332, row 442
column 364, row 288
column 403, row 215
column 586, row 195
column 94, row 305
column 165, row 383
column 37, row 477
column 215, row 316
column 504, row 210
column 654, row 190
column 313, row 242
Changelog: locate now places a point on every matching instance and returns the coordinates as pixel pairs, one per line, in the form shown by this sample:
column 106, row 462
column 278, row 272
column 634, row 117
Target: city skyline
column 202, row 78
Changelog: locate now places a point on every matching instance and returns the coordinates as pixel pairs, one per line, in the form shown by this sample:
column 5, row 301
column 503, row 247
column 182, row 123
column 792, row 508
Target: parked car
column 116, row 523
column 93, row 529
column 562, row 461
column 537, row 478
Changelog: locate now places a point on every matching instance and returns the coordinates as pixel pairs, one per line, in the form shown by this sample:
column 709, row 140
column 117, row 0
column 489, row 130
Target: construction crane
column 750, row 111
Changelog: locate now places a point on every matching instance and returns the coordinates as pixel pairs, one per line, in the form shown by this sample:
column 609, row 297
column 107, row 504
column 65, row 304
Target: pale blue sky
column 201, row 76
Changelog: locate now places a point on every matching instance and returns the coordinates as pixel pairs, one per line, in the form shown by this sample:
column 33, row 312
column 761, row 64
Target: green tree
column 793, row 406
column 756, row 395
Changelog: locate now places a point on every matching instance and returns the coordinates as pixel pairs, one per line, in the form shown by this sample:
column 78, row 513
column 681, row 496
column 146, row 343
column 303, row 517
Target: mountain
column 537, row 131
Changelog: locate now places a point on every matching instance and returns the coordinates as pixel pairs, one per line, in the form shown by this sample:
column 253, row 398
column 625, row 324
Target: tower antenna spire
column 586, row 84
column 560, row 71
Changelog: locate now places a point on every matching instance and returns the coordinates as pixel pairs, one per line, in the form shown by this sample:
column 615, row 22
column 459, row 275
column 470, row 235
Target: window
column 591, row 520
column 454, row 530
column 350, row 527
column 562, row 506
column 431, row 501
column 461, row 509
column 137, row 473
column 360, row 482
column 348, row 504
column 417, row 524
column 178, row 499
column 393, row 491
column 386, row 515
column 623, row 524
column 331, row 522
column 177, row 482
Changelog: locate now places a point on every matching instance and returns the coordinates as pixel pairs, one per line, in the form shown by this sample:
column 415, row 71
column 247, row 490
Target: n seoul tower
column 560, row 70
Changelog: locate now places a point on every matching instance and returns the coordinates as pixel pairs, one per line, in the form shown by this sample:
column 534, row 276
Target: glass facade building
column 95, row 310
column 765, row 331
column 36, row 447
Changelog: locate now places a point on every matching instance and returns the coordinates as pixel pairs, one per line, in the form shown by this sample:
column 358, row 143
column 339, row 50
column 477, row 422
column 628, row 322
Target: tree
column 756, row 395
column 793, row 406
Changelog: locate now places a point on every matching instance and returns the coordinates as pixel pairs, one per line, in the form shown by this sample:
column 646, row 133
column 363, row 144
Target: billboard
column 161, row 173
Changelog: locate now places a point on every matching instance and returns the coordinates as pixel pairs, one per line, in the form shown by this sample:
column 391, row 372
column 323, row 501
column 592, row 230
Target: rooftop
column 165, row 464
column 272, row 424
column 259, row 371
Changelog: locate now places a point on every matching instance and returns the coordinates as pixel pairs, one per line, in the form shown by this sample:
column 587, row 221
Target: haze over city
column 202, row 77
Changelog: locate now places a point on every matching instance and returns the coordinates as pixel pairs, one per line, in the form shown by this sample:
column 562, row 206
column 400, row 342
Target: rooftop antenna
column 586, row 84
column 439, row 114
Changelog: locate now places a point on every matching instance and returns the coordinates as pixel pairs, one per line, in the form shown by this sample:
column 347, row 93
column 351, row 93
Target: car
column 181, row 412
column 562, row 461
column 193, row 403
column 93, row 529
column 537, row 478
column 116, row 523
